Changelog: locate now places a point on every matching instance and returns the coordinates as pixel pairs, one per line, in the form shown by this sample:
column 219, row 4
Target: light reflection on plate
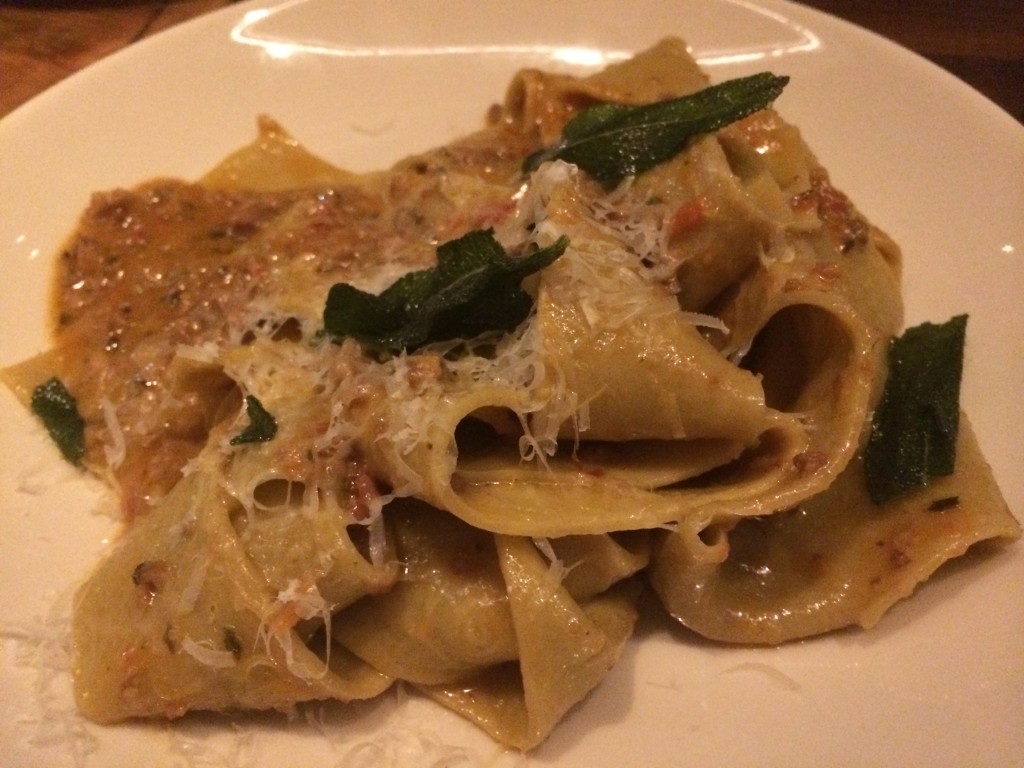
column 286, row 30
column 362, row 82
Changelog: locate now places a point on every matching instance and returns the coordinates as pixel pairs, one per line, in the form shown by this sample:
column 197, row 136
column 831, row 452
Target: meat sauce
column 171, row 264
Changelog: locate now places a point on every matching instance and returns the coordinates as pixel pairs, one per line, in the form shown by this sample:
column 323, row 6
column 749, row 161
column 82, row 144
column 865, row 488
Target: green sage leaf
column 613, row 141
column 474, row 288
column 262, row 426
column 58, row 410
column 914, row 430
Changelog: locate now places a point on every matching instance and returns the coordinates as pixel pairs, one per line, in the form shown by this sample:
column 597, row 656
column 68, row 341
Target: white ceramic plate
column 363, row 82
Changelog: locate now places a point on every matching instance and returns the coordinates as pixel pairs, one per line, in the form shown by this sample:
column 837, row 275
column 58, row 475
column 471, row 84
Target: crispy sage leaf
column 58, row 410
column 612, row 141
column 262, row 426
column 913, row 435
column 475, row 288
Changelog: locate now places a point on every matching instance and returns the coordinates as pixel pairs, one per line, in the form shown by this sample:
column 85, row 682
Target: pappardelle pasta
column 662, row 381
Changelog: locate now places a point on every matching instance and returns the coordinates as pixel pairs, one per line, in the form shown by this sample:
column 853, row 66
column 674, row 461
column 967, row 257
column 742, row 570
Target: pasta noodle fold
column 835, row 560
column 490, row 627
column 179, row 617
column 565, row 649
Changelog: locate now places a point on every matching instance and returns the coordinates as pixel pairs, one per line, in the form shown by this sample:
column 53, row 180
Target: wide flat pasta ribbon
column 489, row 627
column 178, row 618
column 837, row 559
column 565, row 648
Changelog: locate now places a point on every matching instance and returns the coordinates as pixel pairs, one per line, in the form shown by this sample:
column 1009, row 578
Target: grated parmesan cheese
column 557, row 569
column 114, row 453
column 207, row 656
column 190, row 594
column 293, row 603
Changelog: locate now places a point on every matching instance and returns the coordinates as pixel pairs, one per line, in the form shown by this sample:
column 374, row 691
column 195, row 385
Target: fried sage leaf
column 58, row 410
column 914, row 431
column 475, row 288
column 262, row 426
column 613, row 141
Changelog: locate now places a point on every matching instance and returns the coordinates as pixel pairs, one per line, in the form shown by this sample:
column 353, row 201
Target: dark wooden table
column 980, row 41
